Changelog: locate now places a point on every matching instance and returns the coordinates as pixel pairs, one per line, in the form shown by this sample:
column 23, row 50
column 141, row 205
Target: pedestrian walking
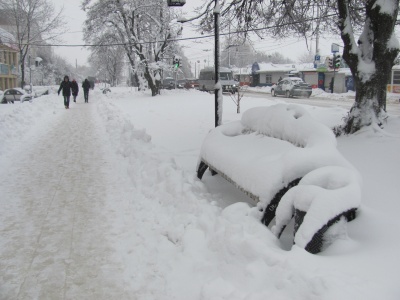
column 86, row 87
column 65, row 86
column 75, row 89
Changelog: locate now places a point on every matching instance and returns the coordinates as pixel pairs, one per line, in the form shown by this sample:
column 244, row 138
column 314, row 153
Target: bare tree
column 107, row 57
column 370, row 57
column 143, row 30
column 33, row 22
column 306, row 57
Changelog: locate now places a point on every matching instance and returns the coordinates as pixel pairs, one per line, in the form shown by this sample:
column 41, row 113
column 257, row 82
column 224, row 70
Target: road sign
column 334, row 48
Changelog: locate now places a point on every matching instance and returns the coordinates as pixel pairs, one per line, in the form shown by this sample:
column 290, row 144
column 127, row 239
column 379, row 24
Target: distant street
column 392, row 108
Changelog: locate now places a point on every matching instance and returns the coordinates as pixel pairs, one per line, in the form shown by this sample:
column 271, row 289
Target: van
column 207, row 80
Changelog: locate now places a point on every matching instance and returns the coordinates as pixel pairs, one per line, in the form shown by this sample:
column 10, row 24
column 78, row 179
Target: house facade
column 268, row 74
column 9, row 60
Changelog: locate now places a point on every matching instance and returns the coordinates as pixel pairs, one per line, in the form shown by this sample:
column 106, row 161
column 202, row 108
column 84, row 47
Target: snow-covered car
column 291, row 86
column 16, row 94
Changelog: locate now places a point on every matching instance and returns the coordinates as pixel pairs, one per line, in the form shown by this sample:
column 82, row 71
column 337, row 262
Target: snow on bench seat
column 269, row 151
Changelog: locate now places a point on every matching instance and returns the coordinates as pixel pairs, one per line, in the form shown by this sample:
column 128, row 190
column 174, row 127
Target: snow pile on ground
column 19, row 119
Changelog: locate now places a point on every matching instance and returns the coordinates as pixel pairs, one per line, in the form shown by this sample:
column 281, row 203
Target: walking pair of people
column 67, row 86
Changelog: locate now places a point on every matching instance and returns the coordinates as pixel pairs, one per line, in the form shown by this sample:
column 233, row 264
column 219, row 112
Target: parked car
column 192, row 84
column 168, row 83
column 292, row 86
column 180, row 84
column 16, row 94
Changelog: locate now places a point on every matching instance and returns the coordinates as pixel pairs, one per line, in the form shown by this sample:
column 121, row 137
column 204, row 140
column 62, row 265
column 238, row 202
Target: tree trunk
column 22, row 73
column 370, row 59
column 150, row 81
column 369, row 105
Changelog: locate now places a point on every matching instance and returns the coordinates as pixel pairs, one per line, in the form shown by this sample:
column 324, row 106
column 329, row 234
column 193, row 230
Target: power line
column 170, row 40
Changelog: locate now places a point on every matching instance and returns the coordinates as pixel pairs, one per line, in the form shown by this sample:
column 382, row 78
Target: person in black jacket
column 75, row 89
column 65, row 86
column 86, row 87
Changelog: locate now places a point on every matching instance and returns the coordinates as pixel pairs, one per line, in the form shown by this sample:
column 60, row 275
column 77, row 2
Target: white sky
column 195, row 50
column 75, row 17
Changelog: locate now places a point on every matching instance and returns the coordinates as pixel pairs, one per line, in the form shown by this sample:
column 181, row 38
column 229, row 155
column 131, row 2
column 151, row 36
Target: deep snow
column 101, row 202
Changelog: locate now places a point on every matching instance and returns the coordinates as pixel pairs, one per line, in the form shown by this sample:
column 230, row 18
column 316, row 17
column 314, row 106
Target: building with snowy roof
column 8, row 60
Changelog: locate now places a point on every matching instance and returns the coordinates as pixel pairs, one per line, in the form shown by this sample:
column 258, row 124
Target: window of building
column 396, row 77
column 268, row 78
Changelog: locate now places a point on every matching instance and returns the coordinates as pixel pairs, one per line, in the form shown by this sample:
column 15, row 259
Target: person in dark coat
column 75, row 89
column 65, row 86
column 86, row 87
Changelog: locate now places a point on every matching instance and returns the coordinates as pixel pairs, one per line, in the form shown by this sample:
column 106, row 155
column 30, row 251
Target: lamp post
column 218, row 100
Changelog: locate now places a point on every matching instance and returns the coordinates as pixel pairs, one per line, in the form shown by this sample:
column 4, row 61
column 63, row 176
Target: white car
column 16, row 94
column 291, row 86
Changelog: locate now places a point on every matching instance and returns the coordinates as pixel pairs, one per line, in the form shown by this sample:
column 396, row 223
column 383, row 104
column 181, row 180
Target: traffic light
column 176, row 62
column 330, row 62
column 336, row 61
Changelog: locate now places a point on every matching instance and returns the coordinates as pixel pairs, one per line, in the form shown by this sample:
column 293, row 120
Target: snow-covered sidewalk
column 56, row 224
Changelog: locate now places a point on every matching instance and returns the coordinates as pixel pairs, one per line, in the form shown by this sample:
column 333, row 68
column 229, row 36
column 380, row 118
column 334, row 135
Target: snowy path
column 54, row 243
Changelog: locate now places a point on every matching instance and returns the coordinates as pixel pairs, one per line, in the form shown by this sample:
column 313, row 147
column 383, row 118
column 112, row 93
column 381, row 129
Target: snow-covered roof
column 7, row 39
column 270, row 67
column 245, row 70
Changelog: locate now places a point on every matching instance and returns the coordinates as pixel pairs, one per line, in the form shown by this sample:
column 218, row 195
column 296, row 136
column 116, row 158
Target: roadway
column 393, row 108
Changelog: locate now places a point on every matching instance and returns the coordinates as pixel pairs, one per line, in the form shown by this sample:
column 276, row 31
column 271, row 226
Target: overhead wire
column 171, row 40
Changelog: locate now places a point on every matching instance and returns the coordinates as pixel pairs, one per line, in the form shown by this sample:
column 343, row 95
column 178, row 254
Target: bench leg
column 316, row 244
column 270, row 210
column 201, row 169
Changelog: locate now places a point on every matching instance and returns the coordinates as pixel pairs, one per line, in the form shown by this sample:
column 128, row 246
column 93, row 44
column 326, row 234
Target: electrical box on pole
column 176, row 2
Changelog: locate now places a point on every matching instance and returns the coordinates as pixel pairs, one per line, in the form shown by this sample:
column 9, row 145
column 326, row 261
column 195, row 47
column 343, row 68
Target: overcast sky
column 195, row 50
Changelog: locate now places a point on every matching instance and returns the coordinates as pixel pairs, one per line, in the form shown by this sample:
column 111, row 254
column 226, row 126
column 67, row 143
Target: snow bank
column 19, row 119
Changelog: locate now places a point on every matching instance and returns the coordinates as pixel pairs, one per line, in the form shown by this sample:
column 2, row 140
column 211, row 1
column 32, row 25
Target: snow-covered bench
column 288, row 163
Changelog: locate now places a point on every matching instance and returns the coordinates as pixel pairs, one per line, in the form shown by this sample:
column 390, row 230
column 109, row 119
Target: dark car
column 192, row 84
column 290, row 87
column 180, row 84
column 168, row 83
column 16, row 94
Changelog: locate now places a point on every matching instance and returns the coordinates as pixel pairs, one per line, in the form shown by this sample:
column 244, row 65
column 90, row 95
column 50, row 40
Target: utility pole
column 218, row 109
column 30, row 75
column 317, row 32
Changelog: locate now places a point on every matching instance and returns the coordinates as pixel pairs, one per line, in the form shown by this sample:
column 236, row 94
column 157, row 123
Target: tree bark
column 370, row 60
